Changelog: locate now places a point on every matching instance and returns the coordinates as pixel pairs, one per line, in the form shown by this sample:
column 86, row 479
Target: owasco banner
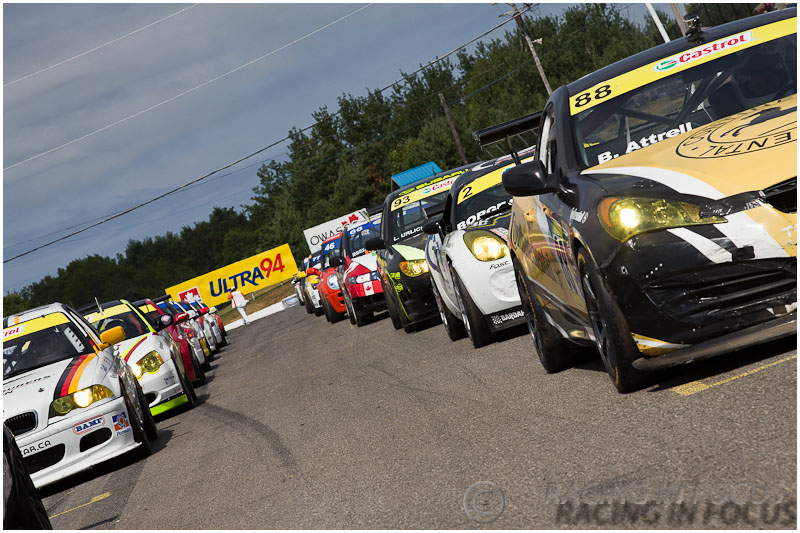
column 248, row 275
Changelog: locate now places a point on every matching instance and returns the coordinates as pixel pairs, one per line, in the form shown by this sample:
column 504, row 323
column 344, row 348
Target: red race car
column 358, row 271
column 329, row 288
column 192, row 366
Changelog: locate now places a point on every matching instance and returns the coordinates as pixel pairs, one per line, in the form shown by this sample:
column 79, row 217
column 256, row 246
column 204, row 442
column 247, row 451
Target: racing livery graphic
column 658, row 224
column 358, row 270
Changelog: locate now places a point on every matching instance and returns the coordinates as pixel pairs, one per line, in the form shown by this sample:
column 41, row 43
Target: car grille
column 21, row 424
column 44, row 459
column 722, row 291
column 783, row 196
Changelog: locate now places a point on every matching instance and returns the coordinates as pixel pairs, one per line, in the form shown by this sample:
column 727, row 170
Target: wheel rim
column 599, row 325
column 464, row 318
column 530, row 319
column 440, row 306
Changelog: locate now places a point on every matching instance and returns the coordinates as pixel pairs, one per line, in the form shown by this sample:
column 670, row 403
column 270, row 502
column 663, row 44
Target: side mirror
column 432, row 227
column 375, row 243
column 111, row 336
column 337, row 261
column 164, row 321
column 193, row 314
column 204, row 310
column 212, row 309
column 313, row 271
column 181, row 317
column 527, row 179
column 300, row 275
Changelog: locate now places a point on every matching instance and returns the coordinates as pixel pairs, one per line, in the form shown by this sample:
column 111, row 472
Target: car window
column 131, row 323
column 358, row 236
column 329, row 251
column 407, row 220
column 41, row 341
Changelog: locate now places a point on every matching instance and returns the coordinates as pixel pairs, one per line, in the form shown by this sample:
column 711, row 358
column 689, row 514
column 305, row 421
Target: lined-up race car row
column 82, row 386
column 653, row 223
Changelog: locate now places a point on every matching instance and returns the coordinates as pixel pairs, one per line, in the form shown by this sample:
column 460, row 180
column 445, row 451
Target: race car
column 22, row 505
column 329, row 288
column 191, row 331
column 68, row 397
column 204, row 333
column 153, row 313
column 210, row 320
column 152, row 355
column 312, row 296
column 658, row 223
column 402, row 267
column 472, row 277
column 298, row 280
column 358, row 271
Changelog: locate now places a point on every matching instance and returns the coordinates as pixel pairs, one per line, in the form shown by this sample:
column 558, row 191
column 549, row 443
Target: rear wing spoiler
column 507, row 131
column 162, row 298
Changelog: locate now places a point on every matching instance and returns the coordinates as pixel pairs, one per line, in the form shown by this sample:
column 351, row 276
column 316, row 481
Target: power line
column 118, row 214
column 168, row 100
column 98, row 47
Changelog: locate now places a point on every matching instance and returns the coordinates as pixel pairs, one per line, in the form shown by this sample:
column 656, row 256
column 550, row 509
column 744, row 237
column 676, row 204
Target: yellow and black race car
column 659, row 222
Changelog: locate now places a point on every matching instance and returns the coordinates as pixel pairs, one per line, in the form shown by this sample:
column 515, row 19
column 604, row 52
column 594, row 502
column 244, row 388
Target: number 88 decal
column 601, row 92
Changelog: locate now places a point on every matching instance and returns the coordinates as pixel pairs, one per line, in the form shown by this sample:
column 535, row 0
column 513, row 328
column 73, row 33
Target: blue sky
column 146, row 155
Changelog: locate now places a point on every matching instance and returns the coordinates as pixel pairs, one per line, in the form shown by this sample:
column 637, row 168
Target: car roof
column 430, row 180
column 36, row 312
column 673, row 47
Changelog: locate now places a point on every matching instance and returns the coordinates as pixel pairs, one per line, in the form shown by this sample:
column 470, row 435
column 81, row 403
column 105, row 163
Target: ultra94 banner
column 248, row 275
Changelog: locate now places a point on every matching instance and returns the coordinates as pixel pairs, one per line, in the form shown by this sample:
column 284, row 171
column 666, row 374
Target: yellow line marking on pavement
column 93, row 500
column 693, row 387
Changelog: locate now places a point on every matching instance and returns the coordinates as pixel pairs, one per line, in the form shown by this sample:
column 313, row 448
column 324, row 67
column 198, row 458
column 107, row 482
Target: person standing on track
column 238, row 301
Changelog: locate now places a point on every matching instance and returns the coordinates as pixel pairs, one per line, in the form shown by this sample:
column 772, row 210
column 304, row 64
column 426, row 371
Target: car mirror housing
column 312, row 272
column 337, row 261
column 527, row 179
column 212, row 309
column 112, row 336
column 375, row 243
column 181, row 317
column 163, row 322
column 432, row 227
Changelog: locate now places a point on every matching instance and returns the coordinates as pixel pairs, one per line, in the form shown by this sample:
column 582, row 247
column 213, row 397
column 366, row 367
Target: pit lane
column 306, row 424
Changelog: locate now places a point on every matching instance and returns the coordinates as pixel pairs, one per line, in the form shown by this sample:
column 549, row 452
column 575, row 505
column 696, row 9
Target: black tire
column 199, row 373
column 471, row 317
column 186, row 385
column 452, row 324
column 138, row 420
column 319, row 311
column 309, row 305
column 335, row 315
column 325, row 308
column 613, row 337
column 206, row 366
column 149, row 423
column 394, row 315
column 351, row 312
column 555, row 353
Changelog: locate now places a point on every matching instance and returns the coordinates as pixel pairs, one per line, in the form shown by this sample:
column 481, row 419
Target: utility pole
column 453, row 129
column 676, row 10
column 657, row 21
column 521, row 24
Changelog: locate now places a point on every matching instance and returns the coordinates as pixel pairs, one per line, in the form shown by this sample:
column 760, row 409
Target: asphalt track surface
column 306, row 424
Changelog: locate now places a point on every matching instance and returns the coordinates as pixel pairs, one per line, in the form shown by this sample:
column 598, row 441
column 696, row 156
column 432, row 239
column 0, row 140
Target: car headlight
column 79, row 399
column 333, row 282
column 414, row 268
column 624, row 218
column 485, row 245
column 150, row 363
column 362, row 278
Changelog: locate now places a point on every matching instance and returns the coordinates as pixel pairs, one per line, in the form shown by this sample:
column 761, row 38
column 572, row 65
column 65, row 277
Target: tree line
column 346, row 160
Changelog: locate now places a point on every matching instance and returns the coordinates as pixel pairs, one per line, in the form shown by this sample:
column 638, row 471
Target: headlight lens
column 333, row 282
column 150, row 363
column 414, row 268
column 79, row 399
column 624, row 218
column 363, row 278
column 485, row 246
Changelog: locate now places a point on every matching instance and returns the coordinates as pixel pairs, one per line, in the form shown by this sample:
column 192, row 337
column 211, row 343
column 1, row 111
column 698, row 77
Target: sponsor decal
column 35, row 447
column 710, row 49
column 121, row 424
column 578, row 216
column 760, row 128
column 501, row 232
column 189, row 295
column 474, row 219
column 412, row 231
column 647, row 141
column 322, row 232
column 425, row 189
column 502, row 318
column 16, row 330
column 368, row 288
column 89, row 425
column 169, row 379
column 16, row 386
column 495, row 266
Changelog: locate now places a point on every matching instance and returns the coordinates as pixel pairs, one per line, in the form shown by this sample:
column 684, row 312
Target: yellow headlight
column 83, row 398
column 414, row 268
column 151, row 362
column 78, row 399
column 137, row 370
column 624, row 218
column 63, row 405
column 485, row 246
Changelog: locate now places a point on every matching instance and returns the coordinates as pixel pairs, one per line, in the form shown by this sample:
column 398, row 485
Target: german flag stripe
column 63, row 385
column 79, row 369
column 129, row 352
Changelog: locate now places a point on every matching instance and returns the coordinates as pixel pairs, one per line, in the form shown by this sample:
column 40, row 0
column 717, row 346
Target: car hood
column 129, row 349
column 412, row 247
column 362, row 264
column 748, row 151
column 36, row 389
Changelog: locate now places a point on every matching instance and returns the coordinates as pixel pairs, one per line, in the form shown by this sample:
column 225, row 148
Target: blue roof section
column 415, row 174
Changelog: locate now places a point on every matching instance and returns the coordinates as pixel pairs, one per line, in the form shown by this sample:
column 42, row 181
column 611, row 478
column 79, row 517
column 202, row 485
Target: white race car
column 68, row 397
column 153, row 356
column 313, row 299
column 472, row 276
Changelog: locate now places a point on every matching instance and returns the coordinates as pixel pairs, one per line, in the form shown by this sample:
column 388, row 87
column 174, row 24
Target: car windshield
column 315, row 260
column 358, row 236
column 329, row 251
column 407, row 219
column 131, row 323
column 742, row 77
column 40, row 342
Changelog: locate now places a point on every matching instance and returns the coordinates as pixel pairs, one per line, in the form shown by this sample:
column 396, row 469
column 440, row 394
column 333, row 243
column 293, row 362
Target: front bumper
column 74, row 444
column 416, row 298
column 161, row 387
column 772, row 330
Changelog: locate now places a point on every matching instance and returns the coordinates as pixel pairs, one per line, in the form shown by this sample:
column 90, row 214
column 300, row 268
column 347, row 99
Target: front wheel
column 199, row 373
column 394, row 315
column 187, row 387
column 138, row 421
column 472, row 318
column 452, row 325
column 612, row 336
